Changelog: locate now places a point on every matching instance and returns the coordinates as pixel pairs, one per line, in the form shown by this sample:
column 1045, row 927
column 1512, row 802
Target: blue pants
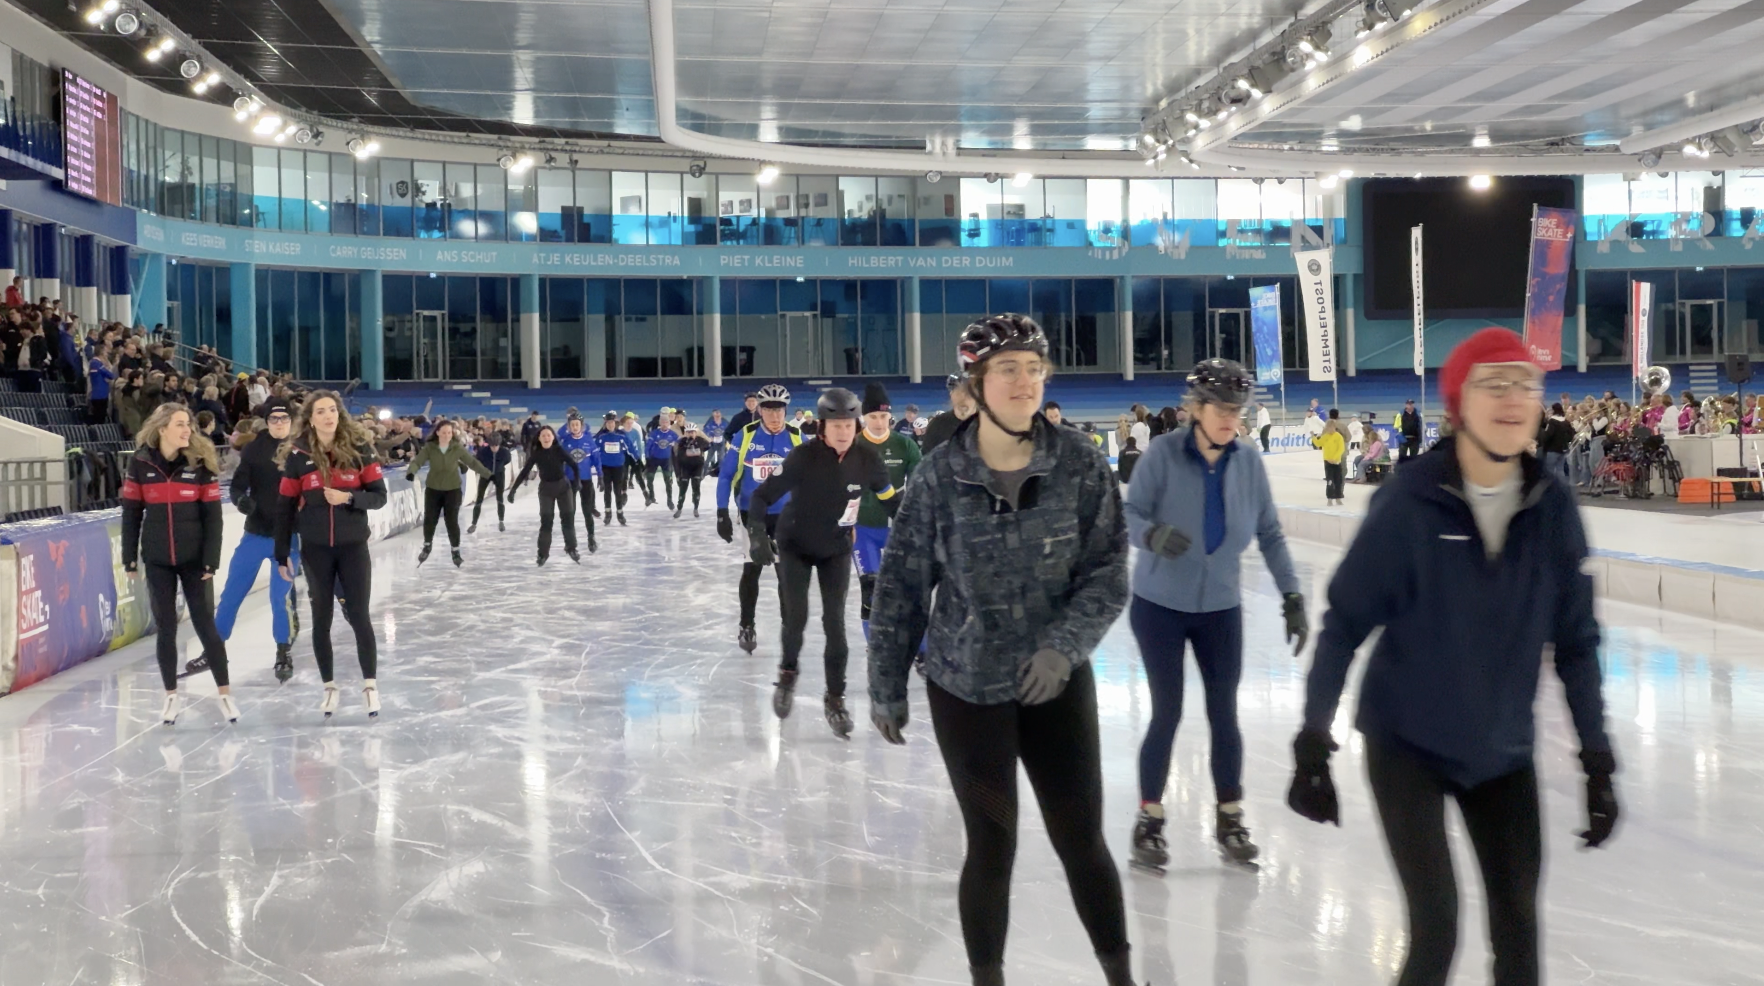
column 248, row 559
column 866, row 552
column 1163, row 635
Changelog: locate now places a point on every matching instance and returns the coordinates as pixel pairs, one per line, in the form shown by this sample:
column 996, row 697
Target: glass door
column 1231, row 333
column 431, row 345
column 1699, row 328
column 802, row 344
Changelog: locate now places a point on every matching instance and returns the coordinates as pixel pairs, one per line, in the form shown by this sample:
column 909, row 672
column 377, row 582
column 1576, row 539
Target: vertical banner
column 1317, row 297
column 1641, row 317
column 66, row 599
column 1546, row 284
column 1265, row 327
column 1415, row 290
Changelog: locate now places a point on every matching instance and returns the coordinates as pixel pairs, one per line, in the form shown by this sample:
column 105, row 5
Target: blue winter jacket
column 1454, row 676
column 660, row 444
column 1169, row 486
column 580, row 450
column 610, row 448
column 754, row 454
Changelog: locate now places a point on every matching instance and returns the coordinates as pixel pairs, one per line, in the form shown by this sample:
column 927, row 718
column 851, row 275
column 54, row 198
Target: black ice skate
column 621, row 518
column 472, row 529
column 501, row 526
column 746, row 639
column 695, row 511
column 1149, row 851
column 784, row 693
column 838, row 719
column 423, row 556
column 574, row 555
column 679, row 508
column 1233, row 837
column 542, row 557
column 593, row 545
column 458, row 560
column 284, row 662
column 195, row 665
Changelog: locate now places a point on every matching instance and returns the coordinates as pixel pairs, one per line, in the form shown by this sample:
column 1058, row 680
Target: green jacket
column 445, row 465
column 900, row 454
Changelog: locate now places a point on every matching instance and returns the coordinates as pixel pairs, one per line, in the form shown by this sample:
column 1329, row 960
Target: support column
column 1126, row 316
column 122, row 289
column 1580, row 321
column 1350, row 359
column 713, row 331
column 150, row 310
column 373, row 332
column 915, row 333
column 530, row 349
column 85, row 292
column 8, row 259
column 242, row 281
column 46, row 241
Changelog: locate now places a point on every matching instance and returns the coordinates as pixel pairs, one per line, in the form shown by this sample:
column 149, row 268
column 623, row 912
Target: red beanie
column 1491, row 345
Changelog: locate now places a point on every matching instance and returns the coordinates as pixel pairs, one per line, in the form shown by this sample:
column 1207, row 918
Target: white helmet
column 774, row 394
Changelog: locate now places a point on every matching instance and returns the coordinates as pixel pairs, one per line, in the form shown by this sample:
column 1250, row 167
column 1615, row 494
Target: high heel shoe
column 329, row 705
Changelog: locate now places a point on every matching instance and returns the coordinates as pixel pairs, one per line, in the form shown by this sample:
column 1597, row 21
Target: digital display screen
column 91, row 128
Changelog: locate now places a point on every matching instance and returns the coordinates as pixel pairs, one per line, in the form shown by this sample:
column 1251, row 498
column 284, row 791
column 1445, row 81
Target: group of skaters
column 991, row 545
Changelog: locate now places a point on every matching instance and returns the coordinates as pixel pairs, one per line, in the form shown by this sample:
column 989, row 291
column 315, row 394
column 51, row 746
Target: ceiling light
column 190, row 68
column 303, row 135
column 505, row 161
column 126, row 23
column 1203, row 123
column 1148, row 138
column 1022, row 179
column 213, row 78
column 1649, row 160
column 1481, row 140
column 1329, row 181
column 267, row 124
column 1692, row 149
column 199, row 88
column 769, row 173
column 933, row 177
column 1190, row 116
column 280, row 138
column 161, row 49
column 1346, row 172
column 355, row 146
column 94, row 17
column 521, row 164
column 362, row 147
column 1480, row 183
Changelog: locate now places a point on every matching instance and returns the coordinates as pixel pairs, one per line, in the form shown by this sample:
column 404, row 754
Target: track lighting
column 505, row 161
column 126, row 23
column 695, row 169
column 1480, row 183
column 1649, row 160
column 769, row 173
column 933, row 177
column 190, row 68
column 161, row 48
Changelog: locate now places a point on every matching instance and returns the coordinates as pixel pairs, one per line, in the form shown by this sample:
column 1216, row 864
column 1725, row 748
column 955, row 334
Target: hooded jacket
column 171, row 512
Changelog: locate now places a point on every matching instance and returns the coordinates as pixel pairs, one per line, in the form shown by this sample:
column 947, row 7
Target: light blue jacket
column 1169, row 487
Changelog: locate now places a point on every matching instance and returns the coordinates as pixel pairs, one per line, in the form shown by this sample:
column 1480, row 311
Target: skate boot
column 195, row 665
column 458, row 560
column 1233, row 837
column 621, row 518
column 501, row 526
column 284, row 662
column 838, row 719
column 678, row 509
column 472, row 529
column 695, row 511
column 1149, row 851
column 593, row 545
column 542, row 559
column 168, row 714
column 987, row 975
column 329, row 705
column 784, row 693
column 574, row 556
column 228, row 710
column 423, row 556
column 746, row 639
column 370, row 697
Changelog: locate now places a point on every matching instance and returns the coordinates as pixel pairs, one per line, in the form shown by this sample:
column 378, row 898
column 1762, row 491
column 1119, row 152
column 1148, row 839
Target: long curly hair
column 199, row 449
column 344, row 452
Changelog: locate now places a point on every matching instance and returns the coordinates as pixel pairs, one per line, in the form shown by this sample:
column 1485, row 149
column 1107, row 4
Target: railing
column 32, row 485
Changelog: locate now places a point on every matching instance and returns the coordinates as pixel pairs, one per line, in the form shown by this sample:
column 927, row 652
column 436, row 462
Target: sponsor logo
column 1313, row 268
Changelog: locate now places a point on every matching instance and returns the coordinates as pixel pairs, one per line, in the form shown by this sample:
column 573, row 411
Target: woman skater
column 330, row 480
column 446, row 454
column 691, row 459
column 171, row 520
column 494, row 456
column 558, row 476
column 1012, row 556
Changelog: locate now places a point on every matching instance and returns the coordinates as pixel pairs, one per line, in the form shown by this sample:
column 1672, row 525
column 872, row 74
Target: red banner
column 1546, row 284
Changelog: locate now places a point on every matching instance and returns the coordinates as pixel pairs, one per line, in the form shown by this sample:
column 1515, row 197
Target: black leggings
column 666, row 468
column 612, row 480
column 346, row 566
column 834, row 574
column 692, row 483
column 1163, row 635
column 162, row 598
column 1501, row 816
column 1333, row 474
column 439, row 503
column 1057, row 743
column 584, row 489
column 748, row 588
column 557, row 497
column 483, row 485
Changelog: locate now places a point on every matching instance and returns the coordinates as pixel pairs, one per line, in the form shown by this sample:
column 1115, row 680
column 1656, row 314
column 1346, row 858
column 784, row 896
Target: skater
column 171, row 522
column 748, row 414
column 1471, row 562
column 961, row 408
column 659, row 448
column 755, row 454
column 1016, row 535
column 1333, row 441
column 900, row 455
column 447, row 456
column 494, row 456
column 1410, row 428
column 330, row 480
column 256, row 491
column 825, row 479
column 634, row 460
column 611, row 450
column 691, row 458
column 558, row 474
column 1194, row 504
column 580, row 447
column 714, row 429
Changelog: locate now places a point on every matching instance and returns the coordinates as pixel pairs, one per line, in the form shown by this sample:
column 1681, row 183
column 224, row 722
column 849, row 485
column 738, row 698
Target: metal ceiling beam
column 1696, row 126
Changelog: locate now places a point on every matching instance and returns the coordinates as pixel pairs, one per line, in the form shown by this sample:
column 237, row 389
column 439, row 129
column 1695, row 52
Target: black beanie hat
column 875, row 397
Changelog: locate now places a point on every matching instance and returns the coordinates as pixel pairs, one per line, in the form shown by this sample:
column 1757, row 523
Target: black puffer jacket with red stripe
column 304, row 508
column 171, row 512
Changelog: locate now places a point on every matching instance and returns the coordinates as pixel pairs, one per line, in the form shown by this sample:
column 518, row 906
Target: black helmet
column 837, row 404
column 1220, row 381
column 1007, row 333
column 955, row 380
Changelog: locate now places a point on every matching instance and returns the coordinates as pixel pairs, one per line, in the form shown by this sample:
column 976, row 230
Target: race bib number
column 766, row 466
column 849, row 518
column 693, row 452
column 612, row 448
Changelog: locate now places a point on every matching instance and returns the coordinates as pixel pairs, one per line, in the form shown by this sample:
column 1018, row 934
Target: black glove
column 410, row 477
column 1044, row 677
column 890, row 726
column 760, row 548
column 1601, row 797
column 245, row 504
column 1167, row 541
column 725, row 527
column 1312, row 793
column 1297, row 625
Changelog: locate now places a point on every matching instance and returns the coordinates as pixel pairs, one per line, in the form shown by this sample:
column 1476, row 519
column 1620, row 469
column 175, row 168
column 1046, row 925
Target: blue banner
column 1265, row 326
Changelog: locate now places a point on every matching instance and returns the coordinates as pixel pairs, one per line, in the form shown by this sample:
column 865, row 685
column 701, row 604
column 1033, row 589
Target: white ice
column 578, row 779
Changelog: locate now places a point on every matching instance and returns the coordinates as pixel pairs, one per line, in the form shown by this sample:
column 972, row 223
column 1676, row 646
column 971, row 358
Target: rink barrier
column 1701, row 589
column 64, row 598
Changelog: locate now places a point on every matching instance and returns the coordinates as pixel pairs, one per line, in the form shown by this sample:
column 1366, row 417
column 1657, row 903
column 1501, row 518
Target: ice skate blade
column 1149, row 869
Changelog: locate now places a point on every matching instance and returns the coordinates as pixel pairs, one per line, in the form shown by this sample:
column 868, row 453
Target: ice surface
column 578, row 779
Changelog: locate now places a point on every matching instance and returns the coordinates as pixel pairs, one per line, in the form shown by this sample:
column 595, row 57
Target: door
column 802, row 344
column 431, row 345
column 1231, row 334
column 1699, row 328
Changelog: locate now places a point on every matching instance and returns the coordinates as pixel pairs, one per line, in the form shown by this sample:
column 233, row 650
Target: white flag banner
column 1415, row 288
column 1317, row 297
column 1641, row 314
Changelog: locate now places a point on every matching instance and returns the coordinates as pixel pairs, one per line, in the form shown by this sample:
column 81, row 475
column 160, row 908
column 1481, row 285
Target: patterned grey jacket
column 1050, row 574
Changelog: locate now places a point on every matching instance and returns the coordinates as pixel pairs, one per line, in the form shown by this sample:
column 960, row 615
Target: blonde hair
column 200, row 448
column 345, row 450
column 245, row 433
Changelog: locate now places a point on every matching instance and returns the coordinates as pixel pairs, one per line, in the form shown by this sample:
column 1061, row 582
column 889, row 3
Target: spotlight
column 1693, row 149
column 1346, row 172
column 767, row 174
column 303, row 135
column 267, row 124
column 1022, row 179
column 933, row 177
column 161, row 49
column 521, row 164
column 991, row 178
column 551, row 159
column 355, row 146
column 695, row 169
column 1191, row 117
column 126, row 23
column 213, row 78
column 1329, row 181
column 1649, row 160
column 190, row 68
column 95, row 17
column 244, row 106
column 505, row 161
column 1148, row 138
column 1480, row 183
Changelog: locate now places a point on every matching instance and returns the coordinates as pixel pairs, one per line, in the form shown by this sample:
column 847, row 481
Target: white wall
column 19, row 441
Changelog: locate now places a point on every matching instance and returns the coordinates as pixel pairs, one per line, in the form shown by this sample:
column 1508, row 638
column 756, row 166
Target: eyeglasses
column 1498, row 387
column 1014, row 372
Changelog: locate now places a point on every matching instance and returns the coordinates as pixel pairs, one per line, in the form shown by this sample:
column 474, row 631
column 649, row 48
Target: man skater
column 1410, row 426
column 755, row 453
column 899, row 454
column 256, row 491
column 581, row 448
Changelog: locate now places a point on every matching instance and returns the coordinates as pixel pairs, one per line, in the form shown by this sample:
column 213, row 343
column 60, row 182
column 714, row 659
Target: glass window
column 630, row 221
column 1095, row 341
column 756, row 327
column 170, row 172
column 367, row 205
column 936, row 212
column 430, row 208
column 1105, row 202
column 210, row 179
column 665, row 212
column 780, row 212
column 226, row 199
column 400, row 328
column 265, row 342
column 601, row 301
column 633, row 351
column 190, row 178
column 1151, row 207
column 309, row 325
column 397, row 198
column 677, row 340
column 1195, row 206
column 460, row 191
column 879, row 327
column 1064, row 224
column 337, row 348
column 1020, row 213
column 1745, row 189
column 982, row 207
column 462, row 327
column 293, row 211
column 857, row 210
column 818, row 213
column 896, row 213
column 492, row 202
column 318, row 192
column 523, row 205
column 563, row 332
column 698, row 198
column 284, row 303
column 556, row 216
column 737, row 215
column 594, row 204
column 495, row 340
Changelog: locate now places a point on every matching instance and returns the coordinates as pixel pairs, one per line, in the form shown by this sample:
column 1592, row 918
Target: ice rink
column 578, row 779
